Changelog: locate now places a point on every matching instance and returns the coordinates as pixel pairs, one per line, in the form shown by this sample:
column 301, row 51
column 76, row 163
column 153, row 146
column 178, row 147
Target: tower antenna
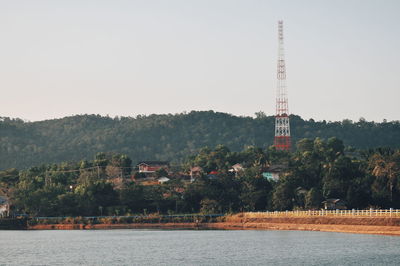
column 282, row 139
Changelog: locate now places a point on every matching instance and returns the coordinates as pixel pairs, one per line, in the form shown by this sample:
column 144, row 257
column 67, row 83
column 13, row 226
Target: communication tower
column 282, row 127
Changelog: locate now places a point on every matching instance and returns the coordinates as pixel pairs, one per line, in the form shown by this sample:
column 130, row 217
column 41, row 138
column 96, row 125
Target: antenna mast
column 282, row 127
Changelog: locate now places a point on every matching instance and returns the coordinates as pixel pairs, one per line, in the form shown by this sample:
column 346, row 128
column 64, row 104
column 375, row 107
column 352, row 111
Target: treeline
column 168, row 137
column 318, row 170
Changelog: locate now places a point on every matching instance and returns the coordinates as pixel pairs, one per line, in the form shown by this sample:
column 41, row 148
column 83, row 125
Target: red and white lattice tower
column 282, row 126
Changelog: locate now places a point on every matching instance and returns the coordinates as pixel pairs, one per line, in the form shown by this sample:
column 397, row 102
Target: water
column 192, row 247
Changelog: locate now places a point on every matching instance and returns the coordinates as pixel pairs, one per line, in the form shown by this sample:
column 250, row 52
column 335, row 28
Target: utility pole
column 282, row 139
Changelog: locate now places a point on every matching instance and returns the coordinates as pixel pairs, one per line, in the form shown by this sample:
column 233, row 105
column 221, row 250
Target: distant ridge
column 170, row 137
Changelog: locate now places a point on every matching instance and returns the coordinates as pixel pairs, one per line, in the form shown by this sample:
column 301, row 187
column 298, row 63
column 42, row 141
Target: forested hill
column 167, row 137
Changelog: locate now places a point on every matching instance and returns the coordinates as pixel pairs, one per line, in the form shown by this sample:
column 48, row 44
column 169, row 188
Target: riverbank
column 349, row 224
column 358, row 225
column 118, row 226
column 13, row 224
column 339, row 228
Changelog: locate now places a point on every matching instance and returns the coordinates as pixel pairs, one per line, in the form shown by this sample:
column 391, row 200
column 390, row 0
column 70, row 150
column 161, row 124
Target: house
column 149, row 182
column 269, row 176
column 163, row 179
column 213, row 175
column 150, row 167
column 179, row 190
column 195, row 171
column 334, row 204
column 236, row 168
column 274, row 171
column 4, row 207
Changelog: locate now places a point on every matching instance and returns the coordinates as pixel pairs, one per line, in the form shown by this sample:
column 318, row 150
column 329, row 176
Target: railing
column 344, row 213
column 132, row 218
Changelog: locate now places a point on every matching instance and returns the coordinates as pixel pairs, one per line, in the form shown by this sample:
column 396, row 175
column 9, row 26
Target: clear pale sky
column 60, row 58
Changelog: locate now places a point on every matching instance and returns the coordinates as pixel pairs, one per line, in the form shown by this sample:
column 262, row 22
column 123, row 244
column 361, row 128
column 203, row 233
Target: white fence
column 359, row 213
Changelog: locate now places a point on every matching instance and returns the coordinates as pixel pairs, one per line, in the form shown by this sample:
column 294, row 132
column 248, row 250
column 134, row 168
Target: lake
column 195, row 247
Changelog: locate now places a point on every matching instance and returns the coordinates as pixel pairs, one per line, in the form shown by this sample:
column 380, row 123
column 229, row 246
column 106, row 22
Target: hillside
column 167, row 137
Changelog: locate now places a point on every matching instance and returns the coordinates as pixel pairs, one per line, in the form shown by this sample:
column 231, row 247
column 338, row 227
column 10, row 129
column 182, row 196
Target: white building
column 4, row 207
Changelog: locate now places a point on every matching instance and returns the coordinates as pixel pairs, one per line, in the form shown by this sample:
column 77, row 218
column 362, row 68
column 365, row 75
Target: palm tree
column 386, row 165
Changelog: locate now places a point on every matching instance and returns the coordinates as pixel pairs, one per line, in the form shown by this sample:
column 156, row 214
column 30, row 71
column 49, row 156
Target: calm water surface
column 192, row 247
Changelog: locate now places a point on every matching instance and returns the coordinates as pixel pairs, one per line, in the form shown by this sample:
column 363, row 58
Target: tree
column 161, row 173
column 91, row 196
column 209, row 206
column 254, row 190
column 386, row 167
column 319, row 169
column 313, row 199
column 282, row 198
column 133, row 196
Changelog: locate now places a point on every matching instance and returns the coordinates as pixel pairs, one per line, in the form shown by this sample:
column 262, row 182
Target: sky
column 124, row 58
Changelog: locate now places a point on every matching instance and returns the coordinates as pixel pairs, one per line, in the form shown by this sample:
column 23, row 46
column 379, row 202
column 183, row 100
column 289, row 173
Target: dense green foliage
column 318, row 170
column 167, row 137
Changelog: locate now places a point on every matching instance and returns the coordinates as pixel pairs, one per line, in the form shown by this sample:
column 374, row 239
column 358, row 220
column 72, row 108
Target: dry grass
column 259, row 217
